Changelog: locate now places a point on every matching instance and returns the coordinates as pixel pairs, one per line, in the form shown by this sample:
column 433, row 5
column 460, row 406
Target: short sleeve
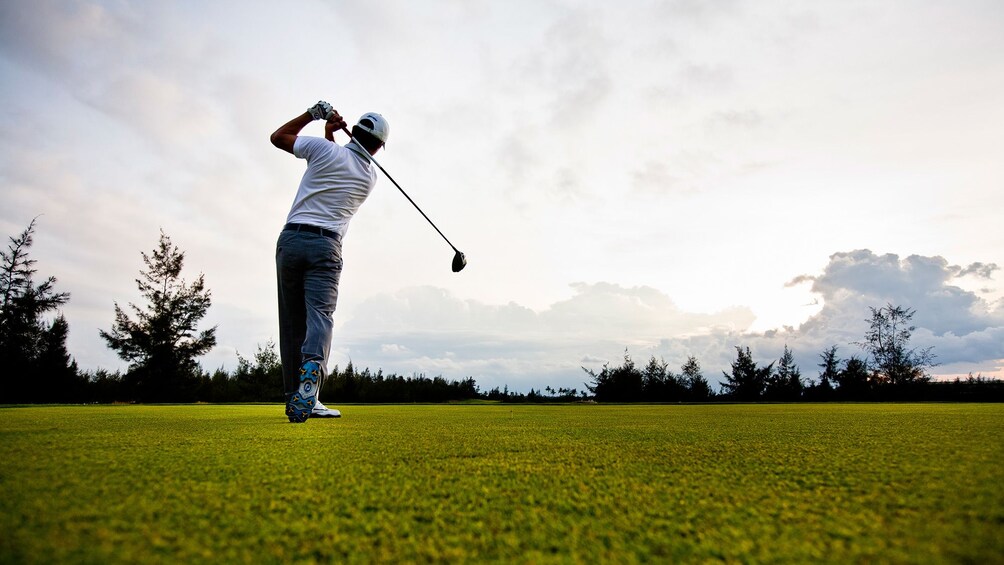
column 306, row 147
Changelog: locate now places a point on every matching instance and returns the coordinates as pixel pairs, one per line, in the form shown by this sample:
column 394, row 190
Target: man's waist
column 307, row 228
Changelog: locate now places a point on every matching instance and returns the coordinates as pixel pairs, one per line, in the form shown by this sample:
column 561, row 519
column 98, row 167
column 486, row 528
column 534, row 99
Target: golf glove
column 321, row 111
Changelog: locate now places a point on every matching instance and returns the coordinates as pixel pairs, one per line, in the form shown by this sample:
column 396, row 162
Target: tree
column 747, row 381
column 54, row 361
column 162, row 343
column 260, row 380
column 29, row 346
column 786, row 383
column 619, row 384
column 659, row 384
column 854, row 380
column 693, row 380
column 887, row 342
column 653, row 378
column 830, row 368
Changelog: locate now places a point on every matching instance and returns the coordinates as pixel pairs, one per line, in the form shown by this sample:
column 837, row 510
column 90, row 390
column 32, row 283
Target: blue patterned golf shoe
column 301, row 403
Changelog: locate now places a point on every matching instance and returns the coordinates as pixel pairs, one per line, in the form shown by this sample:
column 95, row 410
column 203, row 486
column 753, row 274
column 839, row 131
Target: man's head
column 371, row 132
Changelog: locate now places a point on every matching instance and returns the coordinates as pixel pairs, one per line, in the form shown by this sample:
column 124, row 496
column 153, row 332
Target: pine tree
column 163, row 342
column 747, row 381
column 786, row 383
column 697, row 386
column 30, row 348
column 854, row 380
column 830, row 368
column 618, row 384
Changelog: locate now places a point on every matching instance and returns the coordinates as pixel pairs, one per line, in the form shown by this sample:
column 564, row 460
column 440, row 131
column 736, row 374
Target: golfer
column 308, row 255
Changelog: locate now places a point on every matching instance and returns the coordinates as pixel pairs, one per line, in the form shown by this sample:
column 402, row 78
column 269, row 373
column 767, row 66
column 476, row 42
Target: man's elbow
column 283, row 141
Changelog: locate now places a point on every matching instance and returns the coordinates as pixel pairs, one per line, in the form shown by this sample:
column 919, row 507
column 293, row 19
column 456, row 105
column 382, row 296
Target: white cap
column 375, row 124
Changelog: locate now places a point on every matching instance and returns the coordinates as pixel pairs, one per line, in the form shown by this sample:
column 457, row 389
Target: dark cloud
column 979, row 270
column 962, row 327
column 862, row 278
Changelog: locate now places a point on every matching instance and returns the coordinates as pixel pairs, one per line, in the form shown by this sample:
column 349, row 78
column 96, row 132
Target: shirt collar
column 358, row 149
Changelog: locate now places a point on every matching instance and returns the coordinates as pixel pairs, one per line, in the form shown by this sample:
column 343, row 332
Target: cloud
column 656, row 177
column 132, row 64
column 63, row 37
column 800, row 279
column 433, row 331
column 571, row 65
column 862, row 278
column 683, row 172
column 701, row 11
column 706, row 77
column 607, row 311
column 979, row 270
column 394, row 349
column 745, row 119
column 963, row 329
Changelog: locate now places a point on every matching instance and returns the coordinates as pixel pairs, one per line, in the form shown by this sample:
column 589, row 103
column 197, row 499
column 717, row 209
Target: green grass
column 744, row 483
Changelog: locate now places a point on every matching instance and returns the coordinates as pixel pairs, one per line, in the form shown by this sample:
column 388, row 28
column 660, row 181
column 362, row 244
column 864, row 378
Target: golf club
column 459, row 261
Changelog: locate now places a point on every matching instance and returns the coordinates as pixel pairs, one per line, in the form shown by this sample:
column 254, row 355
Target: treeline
column 653, row 383
column 851, row 381
column 161, row 342
column 889, row 369
column 259, row 379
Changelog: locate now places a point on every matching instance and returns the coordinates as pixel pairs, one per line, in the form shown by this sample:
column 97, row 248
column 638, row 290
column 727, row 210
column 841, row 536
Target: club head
column 459, row 262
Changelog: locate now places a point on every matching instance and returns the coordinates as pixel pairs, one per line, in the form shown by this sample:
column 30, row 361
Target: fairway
column 570, row 483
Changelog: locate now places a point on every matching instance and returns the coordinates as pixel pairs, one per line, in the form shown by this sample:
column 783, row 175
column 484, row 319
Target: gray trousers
column 308, row 267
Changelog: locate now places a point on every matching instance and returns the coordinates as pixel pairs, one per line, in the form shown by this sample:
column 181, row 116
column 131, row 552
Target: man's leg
column 309, row 267
column 295, row 254
column 289, row 263
column 320, row 285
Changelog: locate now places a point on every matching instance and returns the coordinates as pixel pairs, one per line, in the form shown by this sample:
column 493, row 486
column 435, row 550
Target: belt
column 311, row 229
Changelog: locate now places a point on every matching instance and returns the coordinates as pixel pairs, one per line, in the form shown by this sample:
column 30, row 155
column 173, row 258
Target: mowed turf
column 749, row 483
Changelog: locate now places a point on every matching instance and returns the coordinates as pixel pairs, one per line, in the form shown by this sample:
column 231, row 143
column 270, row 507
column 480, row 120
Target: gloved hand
column 321, row 111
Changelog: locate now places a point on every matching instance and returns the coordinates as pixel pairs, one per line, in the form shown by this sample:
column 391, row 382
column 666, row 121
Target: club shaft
column 391, row 179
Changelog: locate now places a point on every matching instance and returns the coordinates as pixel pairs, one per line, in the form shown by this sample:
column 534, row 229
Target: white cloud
column 964, row 329
column 434, row 331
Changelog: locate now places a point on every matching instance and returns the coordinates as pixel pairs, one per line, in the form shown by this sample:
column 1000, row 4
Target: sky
column 665, row 178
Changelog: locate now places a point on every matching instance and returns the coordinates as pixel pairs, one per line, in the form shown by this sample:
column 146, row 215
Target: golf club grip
column 391, row 179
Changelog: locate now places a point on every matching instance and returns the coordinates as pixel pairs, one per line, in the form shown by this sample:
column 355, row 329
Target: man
column 308, row 255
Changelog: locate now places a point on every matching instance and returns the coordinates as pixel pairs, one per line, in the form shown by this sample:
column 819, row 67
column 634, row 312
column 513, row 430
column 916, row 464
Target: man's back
column 336, row 183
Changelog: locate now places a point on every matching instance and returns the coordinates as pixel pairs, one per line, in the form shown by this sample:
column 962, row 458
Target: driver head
column 459, row 262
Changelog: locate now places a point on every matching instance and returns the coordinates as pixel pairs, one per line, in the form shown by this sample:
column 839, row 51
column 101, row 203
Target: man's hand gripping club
column 285, row 136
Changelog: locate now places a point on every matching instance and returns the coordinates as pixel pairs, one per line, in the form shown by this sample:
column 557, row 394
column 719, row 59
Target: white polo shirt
column 335, row 185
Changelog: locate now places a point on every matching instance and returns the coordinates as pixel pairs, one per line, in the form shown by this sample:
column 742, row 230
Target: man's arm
column 335, row 123
column 285, row 136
